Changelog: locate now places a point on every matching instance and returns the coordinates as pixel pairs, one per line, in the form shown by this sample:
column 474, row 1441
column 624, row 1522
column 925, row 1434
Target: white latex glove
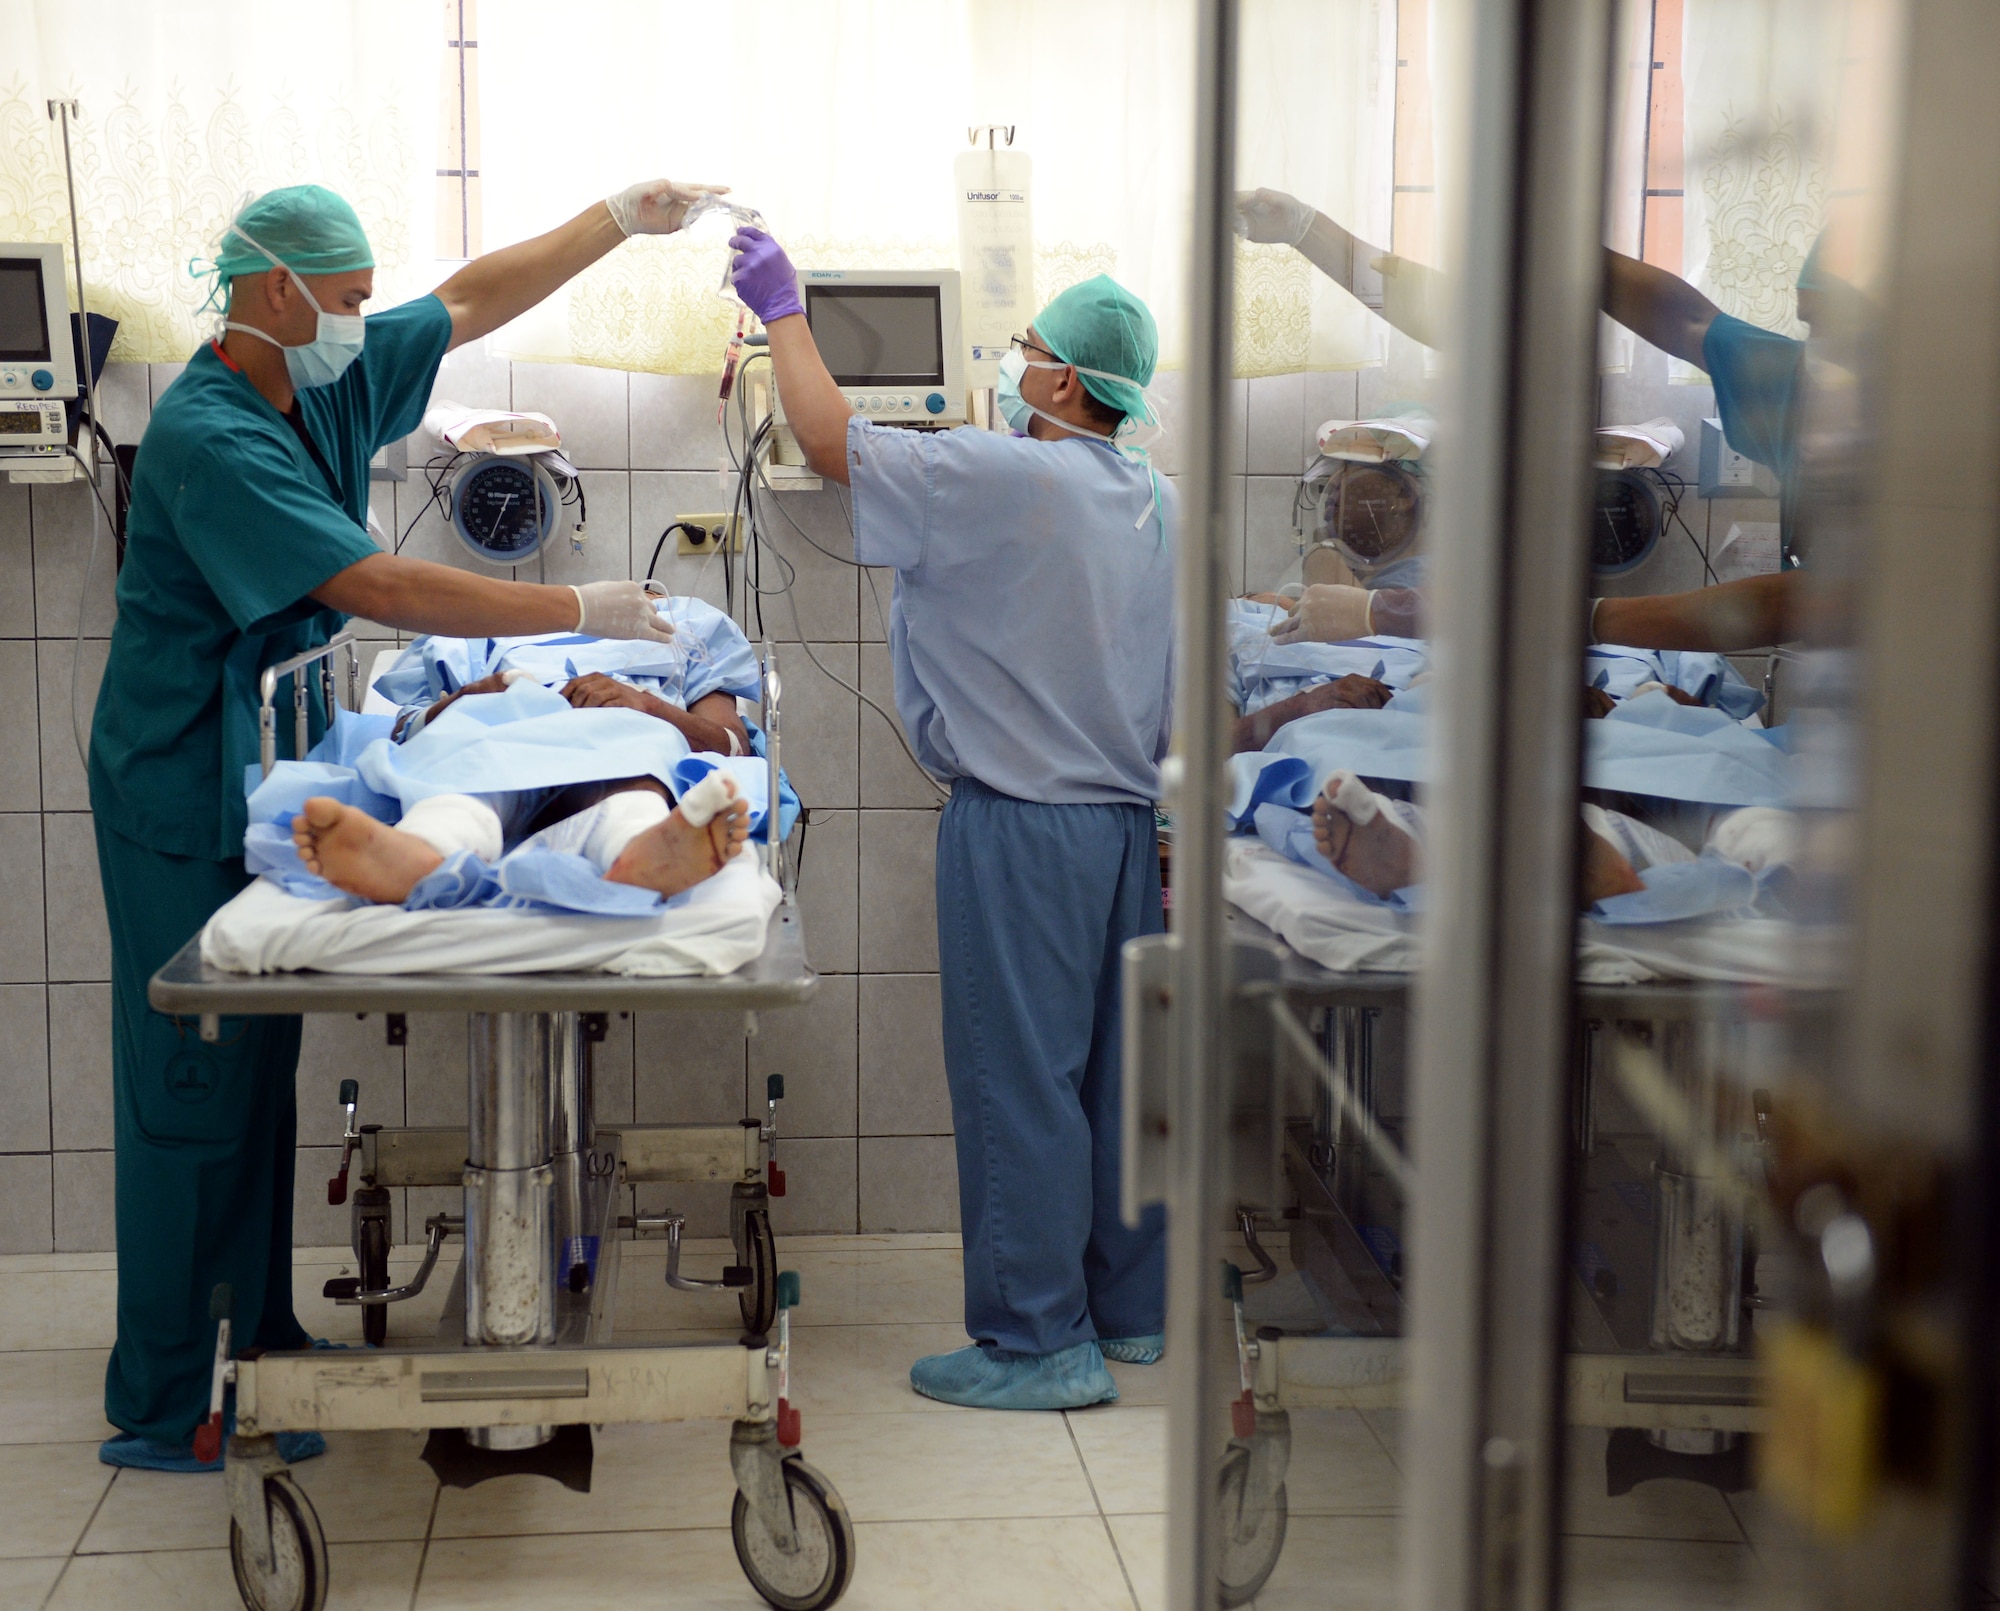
column 657, row 207
column 1272, row 217
column 1327, row 612
column 621, row 610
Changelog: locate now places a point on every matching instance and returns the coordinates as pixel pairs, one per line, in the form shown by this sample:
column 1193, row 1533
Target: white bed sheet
column 1320, row 921
column 713, row 929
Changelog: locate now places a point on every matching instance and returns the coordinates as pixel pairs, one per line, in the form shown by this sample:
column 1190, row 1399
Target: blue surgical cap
column 306, row 227
column 1101, row 325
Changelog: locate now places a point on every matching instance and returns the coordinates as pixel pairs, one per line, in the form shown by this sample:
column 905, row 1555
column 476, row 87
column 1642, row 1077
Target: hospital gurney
column 524, row 1363
column 1661, row 1268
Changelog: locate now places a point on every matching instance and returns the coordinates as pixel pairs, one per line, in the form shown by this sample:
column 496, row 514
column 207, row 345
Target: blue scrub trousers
column 1034, row 902
column 204, row 1137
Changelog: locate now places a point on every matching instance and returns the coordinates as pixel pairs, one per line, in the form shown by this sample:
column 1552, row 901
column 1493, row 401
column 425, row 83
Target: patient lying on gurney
column 1275, row 681
column 624, row 829
column 1378, row 843
column 536, row 771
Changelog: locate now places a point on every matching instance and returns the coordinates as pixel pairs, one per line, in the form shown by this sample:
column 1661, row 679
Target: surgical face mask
column 324, row 359
column 1132, row 435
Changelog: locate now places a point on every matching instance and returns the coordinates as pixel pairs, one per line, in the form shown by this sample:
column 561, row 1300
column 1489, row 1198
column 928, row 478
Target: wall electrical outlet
column 712, row 529
column 1722, row 472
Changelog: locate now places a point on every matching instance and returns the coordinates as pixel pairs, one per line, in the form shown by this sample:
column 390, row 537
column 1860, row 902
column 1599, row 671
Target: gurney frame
column 1623, row 1383
column 524, row 1348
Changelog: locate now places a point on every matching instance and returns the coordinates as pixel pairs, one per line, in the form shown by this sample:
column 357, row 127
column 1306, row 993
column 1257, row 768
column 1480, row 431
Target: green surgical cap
column 306, row 227
column 1101, row 325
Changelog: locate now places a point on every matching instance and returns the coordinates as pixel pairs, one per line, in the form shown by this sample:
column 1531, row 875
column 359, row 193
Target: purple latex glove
column 764, row 276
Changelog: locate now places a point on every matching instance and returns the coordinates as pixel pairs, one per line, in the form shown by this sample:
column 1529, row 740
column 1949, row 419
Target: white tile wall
column 648, row 447
column 867, row 1119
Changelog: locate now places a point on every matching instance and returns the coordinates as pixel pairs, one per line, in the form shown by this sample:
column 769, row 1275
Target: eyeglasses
column 1024, row 346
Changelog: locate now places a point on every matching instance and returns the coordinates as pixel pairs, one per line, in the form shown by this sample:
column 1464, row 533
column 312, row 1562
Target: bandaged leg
column 449, row 823
column 355, row 853
column 600, row 833
column 692, row 842
column 1370, row 838
column 1757, row 837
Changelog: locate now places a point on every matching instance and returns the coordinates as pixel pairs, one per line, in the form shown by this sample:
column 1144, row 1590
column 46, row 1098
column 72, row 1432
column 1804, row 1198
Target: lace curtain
column 184, row 110
column 839, row 124
column 1766, row 94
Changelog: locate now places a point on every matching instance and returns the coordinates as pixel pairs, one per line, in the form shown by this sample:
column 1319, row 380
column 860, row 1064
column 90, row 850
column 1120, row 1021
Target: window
column 1660, row 218
column 458, row 221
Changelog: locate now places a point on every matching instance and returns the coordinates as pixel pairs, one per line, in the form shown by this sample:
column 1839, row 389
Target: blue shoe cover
column 1144, row 1350
column 998, row 1379
column 135, row 1453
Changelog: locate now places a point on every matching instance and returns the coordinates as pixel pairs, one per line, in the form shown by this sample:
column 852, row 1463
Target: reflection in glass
column 1745, row 190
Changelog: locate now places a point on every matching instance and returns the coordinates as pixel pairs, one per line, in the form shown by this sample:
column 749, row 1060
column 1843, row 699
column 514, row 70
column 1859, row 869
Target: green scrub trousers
column 237, row 516
column 204, row 1163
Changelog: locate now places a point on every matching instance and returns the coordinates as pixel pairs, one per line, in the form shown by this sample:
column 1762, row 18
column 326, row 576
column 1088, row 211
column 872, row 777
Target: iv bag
column 996, row 255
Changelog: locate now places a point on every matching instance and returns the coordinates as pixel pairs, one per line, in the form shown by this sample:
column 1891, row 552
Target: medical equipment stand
column 531, row 1349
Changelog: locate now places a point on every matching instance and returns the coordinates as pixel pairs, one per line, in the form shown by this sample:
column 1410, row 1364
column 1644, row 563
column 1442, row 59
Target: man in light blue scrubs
column 1032, row 636
column 247, row 544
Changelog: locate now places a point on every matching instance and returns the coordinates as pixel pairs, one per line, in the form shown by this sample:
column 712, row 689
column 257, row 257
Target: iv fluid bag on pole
column 996, row 255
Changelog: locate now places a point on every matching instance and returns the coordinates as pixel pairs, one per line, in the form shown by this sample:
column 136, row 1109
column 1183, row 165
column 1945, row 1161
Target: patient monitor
column 893, row 341
column 37, row 355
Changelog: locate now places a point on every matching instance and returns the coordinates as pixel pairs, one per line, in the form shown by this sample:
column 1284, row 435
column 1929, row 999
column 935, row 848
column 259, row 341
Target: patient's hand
column 1597, row 704
column 1352, row 692
column 599, row 692
column 493, row 683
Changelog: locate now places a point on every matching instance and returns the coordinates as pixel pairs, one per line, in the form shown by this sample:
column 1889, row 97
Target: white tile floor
column 952, row 1508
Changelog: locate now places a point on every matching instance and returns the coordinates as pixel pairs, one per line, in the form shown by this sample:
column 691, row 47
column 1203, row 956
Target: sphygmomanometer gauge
column 504, row 507
column 1624, row 522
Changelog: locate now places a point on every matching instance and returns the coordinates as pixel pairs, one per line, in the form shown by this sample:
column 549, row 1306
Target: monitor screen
column 24, row 319
column 878, row 335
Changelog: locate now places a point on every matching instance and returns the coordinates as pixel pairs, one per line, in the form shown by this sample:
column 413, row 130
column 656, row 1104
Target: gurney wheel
column 1246, row 1562
column 759, row 1300
column 374, row 1261
column 297, row 1581
column 816, row 1574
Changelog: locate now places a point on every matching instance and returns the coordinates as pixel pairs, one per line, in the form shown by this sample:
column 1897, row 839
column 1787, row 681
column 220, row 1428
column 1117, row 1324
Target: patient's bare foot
column 1606, row 872
column 1361, row 839
column 675, row 855
column 354, row 852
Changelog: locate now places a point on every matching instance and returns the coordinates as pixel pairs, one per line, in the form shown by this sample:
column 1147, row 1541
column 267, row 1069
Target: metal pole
column 1493, row 1007
column 772, row 815
column 1200, row 1365
column 62, row 111
column 510, row 1286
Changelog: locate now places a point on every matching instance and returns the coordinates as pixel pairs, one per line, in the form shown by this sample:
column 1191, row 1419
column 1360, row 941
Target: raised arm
column 1412, row 298
column 504, row 284
column 815, row 408
column 1657, row 306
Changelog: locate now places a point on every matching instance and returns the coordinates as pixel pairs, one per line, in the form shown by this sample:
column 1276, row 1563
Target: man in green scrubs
column 246, row 544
